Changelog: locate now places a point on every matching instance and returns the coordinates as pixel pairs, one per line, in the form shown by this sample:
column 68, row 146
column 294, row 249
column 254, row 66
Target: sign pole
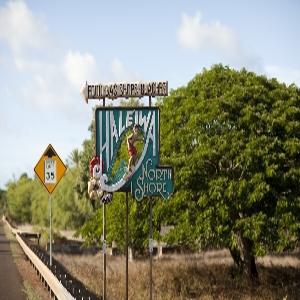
column 126, row 242
column 104, row 251
column 104, row 243
column 151, row 246
column 50, row 244
column 50, row 169
column 136, row 177
column 151, row 234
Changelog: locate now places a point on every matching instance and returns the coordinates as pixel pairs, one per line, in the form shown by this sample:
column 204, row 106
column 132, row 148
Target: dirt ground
column 207, row 275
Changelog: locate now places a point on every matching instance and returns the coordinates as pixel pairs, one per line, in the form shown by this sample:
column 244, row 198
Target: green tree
column 2, row 202
column 131, row 102
column 39, row 204
column 86, row 155
column 233, row 139
column 138, row 224
column 70, row 211
column 19, row 199
column 74, row 158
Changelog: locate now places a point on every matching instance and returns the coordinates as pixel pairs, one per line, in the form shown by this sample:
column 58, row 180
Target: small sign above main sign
column 124, row 90
column 50, row 169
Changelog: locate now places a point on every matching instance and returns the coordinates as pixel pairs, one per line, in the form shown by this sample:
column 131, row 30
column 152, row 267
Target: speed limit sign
column 50, row 171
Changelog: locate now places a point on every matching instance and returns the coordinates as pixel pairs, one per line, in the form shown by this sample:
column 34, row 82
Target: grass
column 30, row 291
column 209, row 275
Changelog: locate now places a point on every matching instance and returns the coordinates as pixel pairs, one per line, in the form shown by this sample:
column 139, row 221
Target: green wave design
column 119, row 174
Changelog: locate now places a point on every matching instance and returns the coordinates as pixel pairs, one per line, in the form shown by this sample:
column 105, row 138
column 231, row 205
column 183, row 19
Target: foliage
column 39, row 204
column 233, row 139
column 28, row 202
column 19, row 199
column 69, row 209
column 2, row 202
column 85, row 156
column 74, row 158
column 138, row 224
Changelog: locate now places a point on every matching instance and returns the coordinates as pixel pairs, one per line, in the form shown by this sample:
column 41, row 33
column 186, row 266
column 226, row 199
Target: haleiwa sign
column 140, row 173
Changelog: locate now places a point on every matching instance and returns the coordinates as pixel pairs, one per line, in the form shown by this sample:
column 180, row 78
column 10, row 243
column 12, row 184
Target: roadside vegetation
column 233, row 138
column 209, row 275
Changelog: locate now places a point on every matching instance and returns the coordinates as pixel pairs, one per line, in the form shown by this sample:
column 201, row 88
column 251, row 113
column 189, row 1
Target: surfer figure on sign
column 132, row 151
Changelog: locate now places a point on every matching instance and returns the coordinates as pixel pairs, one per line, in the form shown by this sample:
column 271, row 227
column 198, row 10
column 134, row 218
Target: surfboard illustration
column 130, row 152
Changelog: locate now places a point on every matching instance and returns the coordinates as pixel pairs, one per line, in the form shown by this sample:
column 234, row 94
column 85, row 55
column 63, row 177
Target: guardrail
column 54, row 282
column 56, row 287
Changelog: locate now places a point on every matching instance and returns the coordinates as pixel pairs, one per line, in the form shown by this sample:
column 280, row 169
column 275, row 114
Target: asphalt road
column 10, row 280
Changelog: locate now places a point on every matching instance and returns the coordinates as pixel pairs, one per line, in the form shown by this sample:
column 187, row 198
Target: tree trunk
column 247, row 257
column 235, row 254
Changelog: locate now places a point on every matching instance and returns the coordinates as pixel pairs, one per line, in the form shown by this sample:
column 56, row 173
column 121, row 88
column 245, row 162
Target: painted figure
column 133, row 155
column 94, row 188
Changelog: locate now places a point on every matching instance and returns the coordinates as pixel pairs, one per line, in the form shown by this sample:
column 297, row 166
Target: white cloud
column 120, row 73
column 20, row 29
column 79, row 67
column 54, row 84
column 196, row 35
column 46, row 105
column 286, row 75
column 24, row 64
column 45, row 90
column 46, row 86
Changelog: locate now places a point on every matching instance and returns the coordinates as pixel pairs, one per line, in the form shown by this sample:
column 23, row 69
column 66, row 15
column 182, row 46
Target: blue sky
column 48, row 49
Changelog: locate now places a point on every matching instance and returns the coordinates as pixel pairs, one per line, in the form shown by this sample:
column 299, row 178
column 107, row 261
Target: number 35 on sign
column 50, row 171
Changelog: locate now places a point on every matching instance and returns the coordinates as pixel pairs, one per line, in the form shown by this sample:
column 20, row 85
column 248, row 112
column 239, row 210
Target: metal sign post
column 140, row 173
column 104, row 250
column 104, row 241
column 50, row 242
column 150, row 235
column 126, row 245
column 151, row 246
column 50, row 169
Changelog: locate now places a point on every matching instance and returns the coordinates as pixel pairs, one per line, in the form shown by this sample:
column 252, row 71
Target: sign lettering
column 50, row 171
column 124, row 90
column 139, row 172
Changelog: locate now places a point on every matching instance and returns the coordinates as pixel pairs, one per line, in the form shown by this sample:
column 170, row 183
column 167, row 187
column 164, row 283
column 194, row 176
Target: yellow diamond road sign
column 50, row 169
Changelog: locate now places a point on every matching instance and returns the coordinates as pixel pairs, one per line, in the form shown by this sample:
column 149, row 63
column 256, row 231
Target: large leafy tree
column 233, row 138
